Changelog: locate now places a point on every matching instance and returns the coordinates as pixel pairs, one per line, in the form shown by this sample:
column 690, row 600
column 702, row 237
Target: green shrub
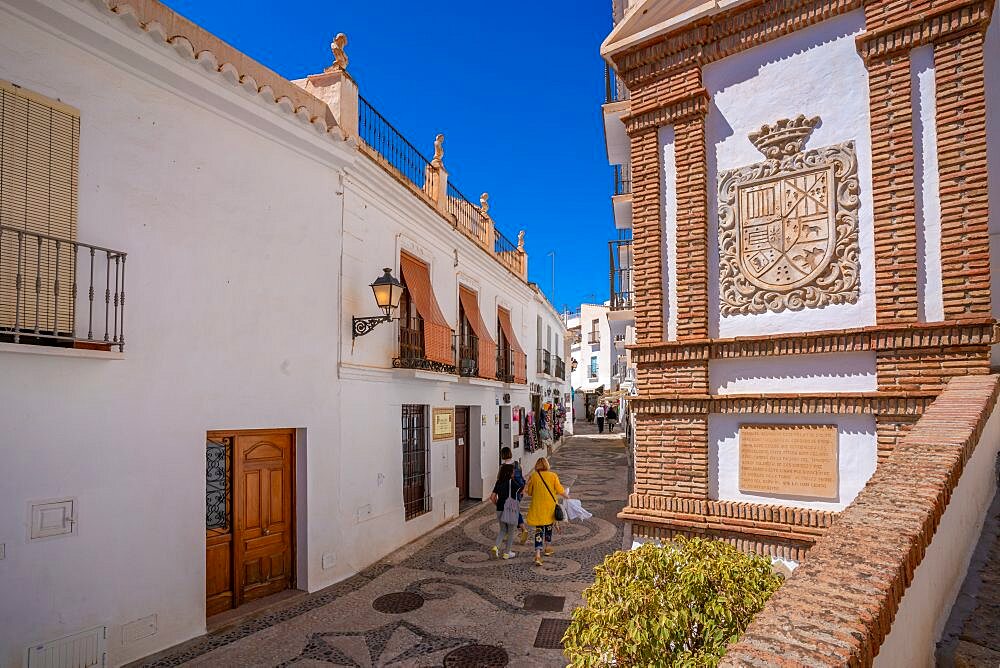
column 679, row 604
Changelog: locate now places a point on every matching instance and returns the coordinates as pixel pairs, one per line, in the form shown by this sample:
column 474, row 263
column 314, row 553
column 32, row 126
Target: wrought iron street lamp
column 388, row 292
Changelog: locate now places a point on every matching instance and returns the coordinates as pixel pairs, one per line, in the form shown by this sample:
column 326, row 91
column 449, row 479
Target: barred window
column 416, row 487
column 39, row 165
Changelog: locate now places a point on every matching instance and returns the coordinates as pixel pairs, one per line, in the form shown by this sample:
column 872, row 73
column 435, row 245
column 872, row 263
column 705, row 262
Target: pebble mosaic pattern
column 470, row 610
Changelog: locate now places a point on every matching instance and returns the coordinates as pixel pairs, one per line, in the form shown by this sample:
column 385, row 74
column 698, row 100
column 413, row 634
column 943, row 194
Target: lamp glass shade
column 388, row 291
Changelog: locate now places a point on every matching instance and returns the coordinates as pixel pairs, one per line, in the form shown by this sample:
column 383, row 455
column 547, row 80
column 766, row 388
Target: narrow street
column 443, row 601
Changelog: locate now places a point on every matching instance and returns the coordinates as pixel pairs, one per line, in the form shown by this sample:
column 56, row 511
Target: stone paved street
column 464, row 609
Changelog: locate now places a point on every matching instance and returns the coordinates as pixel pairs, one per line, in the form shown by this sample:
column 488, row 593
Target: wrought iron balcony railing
column 593, row 338
column 622, row 179
column 544, row 361
column 560, row 368
column 412, row 353
column 505, row 365
column 46, row 282
column 614, row 87
column 621, row 288
column 468, row 355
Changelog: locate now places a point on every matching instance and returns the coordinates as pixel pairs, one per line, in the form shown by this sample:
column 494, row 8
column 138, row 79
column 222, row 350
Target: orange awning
column 437, row 331
column 487, row 348
column 508, row 330
column 517, row 352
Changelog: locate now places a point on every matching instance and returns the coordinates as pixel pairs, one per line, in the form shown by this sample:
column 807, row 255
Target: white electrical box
column 83, row 650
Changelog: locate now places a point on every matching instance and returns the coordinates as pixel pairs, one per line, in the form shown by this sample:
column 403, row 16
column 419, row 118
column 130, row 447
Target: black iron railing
column 593, row 337
column 505, row 365
column 506, row 252
column 467, row 216
column 412, row 353
column 468, row 355
column 622, row 178
column 389, row 143
column 614, row 88
column 560, row 368
column 51, row 287
column 621, row 288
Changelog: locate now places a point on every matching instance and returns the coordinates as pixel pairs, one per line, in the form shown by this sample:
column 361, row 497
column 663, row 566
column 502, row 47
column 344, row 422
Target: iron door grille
column 416, row 487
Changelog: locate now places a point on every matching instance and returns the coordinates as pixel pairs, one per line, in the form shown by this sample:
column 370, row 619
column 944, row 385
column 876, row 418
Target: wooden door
column 264, row 497
column 462, row 451
column 250, row 546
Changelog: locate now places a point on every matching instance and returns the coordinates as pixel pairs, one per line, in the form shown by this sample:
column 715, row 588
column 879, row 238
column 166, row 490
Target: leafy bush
column 679, row 604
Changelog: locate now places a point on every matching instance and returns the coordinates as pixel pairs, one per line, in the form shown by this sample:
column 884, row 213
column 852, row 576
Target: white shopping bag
column 575, row 511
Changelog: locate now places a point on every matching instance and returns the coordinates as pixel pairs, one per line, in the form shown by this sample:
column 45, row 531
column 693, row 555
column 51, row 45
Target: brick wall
column 839, row 605
column 671, row 456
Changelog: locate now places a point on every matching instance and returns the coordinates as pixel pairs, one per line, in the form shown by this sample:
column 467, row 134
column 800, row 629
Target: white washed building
column 251, row 217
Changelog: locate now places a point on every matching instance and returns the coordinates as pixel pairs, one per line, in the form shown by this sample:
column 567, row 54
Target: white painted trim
column 669, row 194
column 930, row 298
column 52, row 351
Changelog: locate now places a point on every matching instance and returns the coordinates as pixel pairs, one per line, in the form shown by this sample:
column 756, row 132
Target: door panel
column 264, row 541
column 462, row 451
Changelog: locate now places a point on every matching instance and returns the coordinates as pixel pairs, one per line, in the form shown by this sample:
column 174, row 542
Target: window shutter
column 39, row 166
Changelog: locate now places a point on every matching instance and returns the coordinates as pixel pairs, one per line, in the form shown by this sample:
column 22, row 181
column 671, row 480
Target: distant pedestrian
column 505, row 488
column 599, row 418
column 612, row 417
column 507, row 457
column 543, row 487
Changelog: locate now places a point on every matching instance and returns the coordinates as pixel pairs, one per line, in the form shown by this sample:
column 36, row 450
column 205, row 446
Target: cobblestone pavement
column 447, row 603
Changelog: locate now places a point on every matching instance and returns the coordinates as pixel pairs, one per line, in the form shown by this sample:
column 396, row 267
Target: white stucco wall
column 857, row 449
column 928, row 601
column 810, row 374
column 668, row 154
column 930, row 300
column 228, row 212
column 816, row 71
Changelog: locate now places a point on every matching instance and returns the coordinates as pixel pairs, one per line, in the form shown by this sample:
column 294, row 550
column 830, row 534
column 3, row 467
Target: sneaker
column 538, row 561
column 495, row 552
column 523, row 538
column 509, row 555
column 548, row 552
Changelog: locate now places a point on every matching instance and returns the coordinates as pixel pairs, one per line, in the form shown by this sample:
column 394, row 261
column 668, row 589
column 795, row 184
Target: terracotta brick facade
column 840, row 605
column 914, row 360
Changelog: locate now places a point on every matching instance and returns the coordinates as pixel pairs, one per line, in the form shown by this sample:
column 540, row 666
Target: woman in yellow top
column 544, row 488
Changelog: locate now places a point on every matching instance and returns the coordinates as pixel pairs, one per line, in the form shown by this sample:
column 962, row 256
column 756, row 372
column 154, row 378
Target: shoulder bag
column 560, row 515
column 511, row 507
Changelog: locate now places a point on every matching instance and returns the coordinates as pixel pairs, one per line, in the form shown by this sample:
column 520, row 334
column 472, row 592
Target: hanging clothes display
column 531, row 435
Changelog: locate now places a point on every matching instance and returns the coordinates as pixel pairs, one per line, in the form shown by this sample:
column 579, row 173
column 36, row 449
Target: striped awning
column 487, row 348
column 437, row 331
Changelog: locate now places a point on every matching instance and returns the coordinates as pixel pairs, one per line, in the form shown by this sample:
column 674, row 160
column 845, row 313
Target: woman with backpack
column 543, row 487
column 504, row 495
column 507, row 457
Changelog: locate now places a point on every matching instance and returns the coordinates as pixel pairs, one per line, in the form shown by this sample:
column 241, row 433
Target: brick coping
column 857, row 573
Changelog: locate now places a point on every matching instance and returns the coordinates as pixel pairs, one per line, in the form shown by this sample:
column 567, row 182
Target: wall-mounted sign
column 443, row 420
column 789, row 459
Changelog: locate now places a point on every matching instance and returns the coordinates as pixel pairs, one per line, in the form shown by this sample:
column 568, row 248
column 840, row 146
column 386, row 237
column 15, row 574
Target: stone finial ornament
column 520, row 241
column 484, row 205
column 785, row 137
column 438, row 160
column 339, row 56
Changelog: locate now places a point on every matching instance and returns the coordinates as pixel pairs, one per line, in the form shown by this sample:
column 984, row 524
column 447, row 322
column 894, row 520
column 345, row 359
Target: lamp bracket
column 362, row 326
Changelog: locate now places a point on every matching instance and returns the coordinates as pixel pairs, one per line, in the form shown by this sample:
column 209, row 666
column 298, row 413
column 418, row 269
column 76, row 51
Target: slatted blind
column 39, row 165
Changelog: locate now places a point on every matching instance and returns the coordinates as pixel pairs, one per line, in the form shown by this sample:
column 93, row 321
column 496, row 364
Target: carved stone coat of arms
column 788, row 226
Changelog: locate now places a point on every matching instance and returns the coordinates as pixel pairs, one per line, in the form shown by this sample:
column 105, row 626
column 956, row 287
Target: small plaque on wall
column 443, row 420
column 789, row 460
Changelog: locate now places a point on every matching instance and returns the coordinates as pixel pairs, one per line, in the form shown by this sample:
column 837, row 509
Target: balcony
column 594, row 338
column 49, row 286
column 544, row 362
column 505, row 365
column 412, row 353
column 621, row 287
column 614, row 87
column 560, row 368
column 468, row 355
column 622, row 179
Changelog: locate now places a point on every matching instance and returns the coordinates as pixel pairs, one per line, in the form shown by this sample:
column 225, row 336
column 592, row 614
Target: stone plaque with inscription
column 789, row 460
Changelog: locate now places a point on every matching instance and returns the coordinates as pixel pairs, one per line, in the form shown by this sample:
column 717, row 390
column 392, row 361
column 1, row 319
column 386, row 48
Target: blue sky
column 516, row 88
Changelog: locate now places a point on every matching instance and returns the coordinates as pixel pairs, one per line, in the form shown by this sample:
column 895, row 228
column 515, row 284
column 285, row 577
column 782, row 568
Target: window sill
column 55, row 351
